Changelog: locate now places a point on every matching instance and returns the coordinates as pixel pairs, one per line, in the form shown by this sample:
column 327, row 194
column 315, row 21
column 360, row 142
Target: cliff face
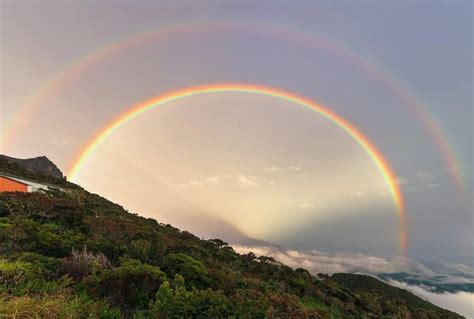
column 38, row 165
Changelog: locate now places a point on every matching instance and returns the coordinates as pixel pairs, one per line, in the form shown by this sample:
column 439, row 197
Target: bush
column 193, row 271
column 82, row 263
column 181, row 303
column 130, row 285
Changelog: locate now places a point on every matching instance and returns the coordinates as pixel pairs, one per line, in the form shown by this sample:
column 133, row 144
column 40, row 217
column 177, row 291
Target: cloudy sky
column 242, row 166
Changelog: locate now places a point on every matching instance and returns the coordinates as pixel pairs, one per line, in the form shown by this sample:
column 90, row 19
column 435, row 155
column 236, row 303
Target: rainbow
column 63, row 79
column 363, row 141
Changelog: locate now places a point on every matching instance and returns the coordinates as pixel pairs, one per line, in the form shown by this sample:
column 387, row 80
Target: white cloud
column 276, row 169
column 196, row 183
column 307, row 205
column 425, row 177
column 401, row 181
column 239, row 180
column 424, row 180
column 317, row 261
column 59, row 141
column 213, row 180
column 461, row 302
column 244, row 181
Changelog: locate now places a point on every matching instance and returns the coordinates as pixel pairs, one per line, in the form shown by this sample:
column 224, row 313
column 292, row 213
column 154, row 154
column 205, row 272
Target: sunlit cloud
column 307, row 205
column 277, row 169
column 213, row 180
column 245, row 182
column 196, row 183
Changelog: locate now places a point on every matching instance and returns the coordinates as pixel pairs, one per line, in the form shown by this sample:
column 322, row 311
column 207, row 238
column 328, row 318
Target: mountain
column 38, row 165
column 73, row 254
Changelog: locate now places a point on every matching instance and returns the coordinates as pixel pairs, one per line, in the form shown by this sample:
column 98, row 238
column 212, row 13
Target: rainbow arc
column 161, row 100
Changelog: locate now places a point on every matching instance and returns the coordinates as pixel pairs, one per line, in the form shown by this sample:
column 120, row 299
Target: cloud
column 317, row 261
column 276, row 169
column 239, row 180
column 461, row 302
column 59, row 141
column 245, row 182
column 307, row 205
column 401, row 181
column 424, row 177
column 302, row 175
column 424, row 180
column 213, row 180
column 196, row 183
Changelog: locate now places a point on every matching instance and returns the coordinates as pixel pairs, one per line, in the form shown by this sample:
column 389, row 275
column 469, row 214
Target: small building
column 15, row 184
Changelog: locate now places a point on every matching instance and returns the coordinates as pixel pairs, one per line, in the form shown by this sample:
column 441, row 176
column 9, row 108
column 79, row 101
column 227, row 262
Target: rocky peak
column 37, row 165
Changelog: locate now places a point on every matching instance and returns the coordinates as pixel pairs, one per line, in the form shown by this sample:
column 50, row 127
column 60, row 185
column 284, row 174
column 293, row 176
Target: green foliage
column 181, row 303
column 130, row 285
column 193, row 271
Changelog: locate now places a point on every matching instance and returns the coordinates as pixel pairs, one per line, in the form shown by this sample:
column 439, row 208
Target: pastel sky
column 241, row 166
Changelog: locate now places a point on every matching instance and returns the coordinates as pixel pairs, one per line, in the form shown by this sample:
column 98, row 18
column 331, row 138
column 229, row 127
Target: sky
column 249, row 168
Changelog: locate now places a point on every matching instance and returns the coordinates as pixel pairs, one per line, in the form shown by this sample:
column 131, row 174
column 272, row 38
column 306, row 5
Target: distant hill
column 75, row 255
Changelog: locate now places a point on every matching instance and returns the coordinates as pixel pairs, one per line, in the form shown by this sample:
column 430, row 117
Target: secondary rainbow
column 92, row 58
column 135, row 111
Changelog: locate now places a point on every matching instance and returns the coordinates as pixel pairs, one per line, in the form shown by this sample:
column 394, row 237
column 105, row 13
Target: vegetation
column 76, row 255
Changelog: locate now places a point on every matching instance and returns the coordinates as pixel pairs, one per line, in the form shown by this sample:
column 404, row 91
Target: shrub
column 193, row 271
column 181, row 303
column 83, row 262
column 132, row 284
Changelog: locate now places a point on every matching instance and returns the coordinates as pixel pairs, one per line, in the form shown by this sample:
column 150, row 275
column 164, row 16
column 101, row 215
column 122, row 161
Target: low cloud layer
column 461, row 302
column 330, row 263
column 432, row 277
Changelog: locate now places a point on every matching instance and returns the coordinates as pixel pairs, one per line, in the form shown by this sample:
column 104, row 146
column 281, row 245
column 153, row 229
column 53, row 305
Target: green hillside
column 75, row 254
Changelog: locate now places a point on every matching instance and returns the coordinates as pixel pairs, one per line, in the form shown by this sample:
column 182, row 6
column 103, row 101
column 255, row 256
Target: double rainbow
column 363, row 141
column 95, row 57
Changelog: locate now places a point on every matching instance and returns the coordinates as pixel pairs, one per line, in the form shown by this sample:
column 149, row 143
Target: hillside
column 77, row 255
